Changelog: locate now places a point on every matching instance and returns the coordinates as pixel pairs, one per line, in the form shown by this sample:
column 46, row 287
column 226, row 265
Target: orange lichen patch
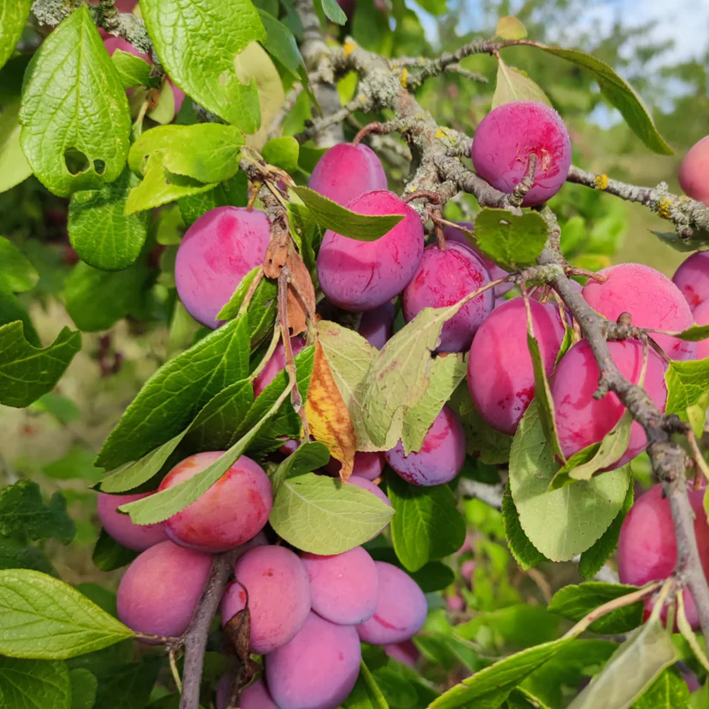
column 664, row 208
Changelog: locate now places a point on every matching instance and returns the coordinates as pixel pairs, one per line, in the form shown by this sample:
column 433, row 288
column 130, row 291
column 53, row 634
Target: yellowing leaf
column 327, row 414
column 510, row 28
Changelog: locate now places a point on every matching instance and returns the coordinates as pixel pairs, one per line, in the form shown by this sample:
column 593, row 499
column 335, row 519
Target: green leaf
column 231, row 308
column 100, row 232
column 33, row 684
column 322, row 515
column 619, row 93
column 73, row 103
column 11, row 310
column 17, row 274
column 132, row 70
column 330, row 215
column 566, row 522
column 489, row 688
column 520, row 698
column 523, row 551
column 199, row 46
column 306, row 458
column 434, row 576
column 14, row 167
column 280, row 44
column 13, row 17
column 398, row 691
column 576, row 602
column 435, row 7
column 511, row 241
column 208, row 152
column 282, row 152
column 696, row 333
column 45, row 619
column 15, row 555
column 96, row 300
column 127, row 686
column 334, row 12
column 633, row 668
column 83, row 688
column 232, row 193
column 510, row 28
column 686, row 384
column 514, row 85
column 109, row 555
column 173, row 395
column 24, row 515
column 366, row 693
column 27, row 372
column 427, row 525
column 61, row 407
column 668, row 691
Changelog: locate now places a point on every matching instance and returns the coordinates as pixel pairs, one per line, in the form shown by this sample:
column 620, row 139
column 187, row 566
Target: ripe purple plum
column 443, row 278
column 582, row 420
column 276, row 364
column 138, row 537
column 701, row 317
column 317, row 669
column 694, row 171
column 692, row 278
column 650, row 297
column 376, row 325
column 369, row 486
column 405, row 652
column 500, row 372
column 161, row 589
column 441, row 456
column 647, row 548
column 217, row 251
column 346, row 172
column 275, row 584
column 255, row 696
column 233, row 511
column 363, row 275
column 366, row 465
column 401, row 608
column 343, row 587
column 113, row 43
column 508, row 135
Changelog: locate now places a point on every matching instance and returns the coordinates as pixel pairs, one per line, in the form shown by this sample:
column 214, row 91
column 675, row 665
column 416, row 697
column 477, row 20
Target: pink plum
column 694, row 171
column 138, row 537
column 276, row 364
column 376, row 325
column 404, row 652
column 366, row 465
column 369, row 487
column 701, row 317
column 692, row 278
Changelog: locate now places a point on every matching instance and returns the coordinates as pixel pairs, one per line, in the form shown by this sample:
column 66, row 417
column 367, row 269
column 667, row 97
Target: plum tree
column 376, row 325
column 694, row 171
column 122, row 529
column 363, row 275
column 401, row 608
column 692, row 278
column 443, row 278
column 276, row 364
column 317, row 669
column 234, row 510
column 582, row 420
column 508, row 135
column 217, row 251
column 500, row 372
column 650, row 297
column 346, row 171
column 647, row 547
column 274, row 583
column 441, row 456
column 343, row 587
column 161, row 589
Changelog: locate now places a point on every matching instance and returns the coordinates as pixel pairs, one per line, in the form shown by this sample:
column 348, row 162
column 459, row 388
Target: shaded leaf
column 17, row 274
column 30, row 684
column 14, row 167
column 280, row 43
column 306, row 458
column 13, row 17
column 109, row 555
column 522, row 549
column 83, row 688
column 511, row 241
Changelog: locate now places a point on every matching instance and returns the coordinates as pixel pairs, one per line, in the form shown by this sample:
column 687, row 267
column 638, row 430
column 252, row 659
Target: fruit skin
column 255, row 696
column 647, row 548
column 650, row 297
column 161, row 589
column 401, row 608
column 138, row 537
column 366, row 465
column 370, row 487
column 317, row 669
column 363, row 275
column 233, row 511
column 441, row 456
column 376, row 325
column 508, row 135
column 276, row 364
column 405, row 652
column 346, row 171
column 500, row 372
column 701, row 317
column 343, row 587
column 692, row 278
column 694, row 171
column 217, row 251
column 443, row 278
column 278, row 593
column 582, row 420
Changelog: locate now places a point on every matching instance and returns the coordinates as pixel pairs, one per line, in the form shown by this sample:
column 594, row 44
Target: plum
column 441, row 456
column 694, row 171
column 366, row 465
column 701, row 317
column 255, row 696
column 363, row 275
column 217, row 251
column 276, row 364
column 401, row 608
column 343, row 587
column 582, row 420
column 113, row 43
column 692, row 278
column 317, row 669
column 231, row 512
column 161, row 589
column 404, row 652
column 346, row 172
column 650, row 297
column 443, row 278
column 508, row 135
column 369, row 486
column 138, row 537
column 376, row 325
column 500, row 372
column 275, row 583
